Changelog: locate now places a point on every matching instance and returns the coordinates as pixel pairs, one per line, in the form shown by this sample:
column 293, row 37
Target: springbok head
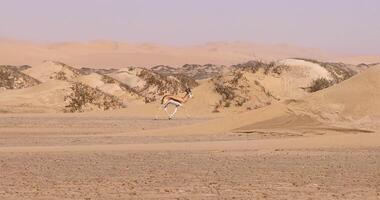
column 188, row 92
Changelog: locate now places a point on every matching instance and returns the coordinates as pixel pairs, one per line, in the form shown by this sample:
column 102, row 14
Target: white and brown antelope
column 174, row 100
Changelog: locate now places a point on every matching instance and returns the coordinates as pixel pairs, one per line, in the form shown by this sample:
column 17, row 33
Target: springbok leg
column 175, row 110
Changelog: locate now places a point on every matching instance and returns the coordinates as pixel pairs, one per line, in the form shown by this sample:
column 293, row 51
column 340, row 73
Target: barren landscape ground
column 111, row 156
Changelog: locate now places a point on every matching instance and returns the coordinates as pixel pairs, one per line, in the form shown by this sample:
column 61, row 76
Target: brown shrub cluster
column 157, row 85
column 255, row 65
column 320, row 84
column 61, row 75
column 233, row 90
column 10, row 78
column 83, row 98
column 338, row 71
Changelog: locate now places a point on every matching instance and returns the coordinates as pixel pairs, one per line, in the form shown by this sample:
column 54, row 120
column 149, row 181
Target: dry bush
column 279, row 69
column 10, row 78
column 232, row 89
column 338, row 71
column 251, row 66
column 319, row 84
column 255, row 65
column 61, row 75
column 76, row 72
column 107, row 79
column 82, row 97
column 66, row 73
column 157, row 85
column 88, row 71
column 186, row 81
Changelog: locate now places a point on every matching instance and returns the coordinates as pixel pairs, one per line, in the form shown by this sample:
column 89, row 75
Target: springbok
column 174, row 100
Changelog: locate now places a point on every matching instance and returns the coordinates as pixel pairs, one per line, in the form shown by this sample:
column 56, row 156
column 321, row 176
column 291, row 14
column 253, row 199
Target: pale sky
column 347, row 26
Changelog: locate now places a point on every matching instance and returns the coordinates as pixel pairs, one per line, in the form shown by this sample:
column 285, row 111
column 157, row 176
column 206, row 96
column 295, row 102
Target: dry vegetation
column 319, row 84
column 88, row 71
column 233, row 89
column 254, row 66
column 66, row 73
column 338, row 71
column 157, row 84
column 11, row 78
column 83, row 98
column 193, row 71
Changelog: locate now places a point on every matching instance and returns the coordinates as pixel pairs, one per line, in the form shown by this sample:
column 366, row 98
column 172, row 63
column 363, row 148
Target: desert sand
column 271, row 140
column 123, row 54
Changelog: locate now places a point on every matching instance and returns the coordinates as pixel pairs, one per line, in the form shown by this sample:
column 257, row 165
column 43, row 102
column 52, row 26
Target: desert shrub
column 82, row 96
column 319, row 84
column 279, row 69
column 66, row 73
column 227, row 92
column 338, row 71
column 255, row 65
column 76, row 72
column 61, row 75
column 6, row 79
column 10, row 78
column 157, row 85
column 233, row 89
column 186, row 81
column 107, row 79
column 251, row 66
column 88, row 71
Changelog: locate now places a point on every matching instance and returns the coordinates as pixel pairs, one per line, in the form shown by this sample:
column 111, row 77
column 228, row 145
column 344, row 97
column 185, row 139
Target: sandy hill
column 12, row 78
column 151, row 85
column 256, row 84
column 85, row 89
column 108, row 85
column 354, row 100
column 98, row 54
column 52, row 70
column 235, row 88
column 45, row 97
column 351, row 106
column 56, row 87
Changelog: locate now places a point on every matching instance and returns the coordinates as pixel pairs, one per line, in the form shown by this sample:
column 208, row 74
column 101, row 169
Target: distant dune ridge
column 352, row 103
column 104, row 54
column 47, row 87
column 252, row 86
column 351, row 106
column 217, row 88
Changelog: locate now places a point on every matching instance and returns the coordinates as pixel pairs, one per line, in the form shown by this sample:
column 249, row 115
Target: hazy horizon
column 346, row 26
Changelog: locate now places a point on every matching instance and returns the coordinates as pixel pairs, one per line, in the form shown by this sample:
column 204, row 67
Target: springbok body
column 174, row 100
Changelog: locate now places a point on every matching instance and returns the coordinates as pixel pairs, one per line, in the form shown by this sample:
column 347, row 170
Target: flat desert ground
column 113, row 156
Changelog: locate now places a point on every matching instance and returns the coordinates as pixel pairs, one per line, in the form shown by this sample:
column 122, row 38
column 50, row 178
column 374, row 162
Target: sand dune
column 45, row 97
column 340, row 105
column 120, row 54
column 338, row 108
column 236, row 88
